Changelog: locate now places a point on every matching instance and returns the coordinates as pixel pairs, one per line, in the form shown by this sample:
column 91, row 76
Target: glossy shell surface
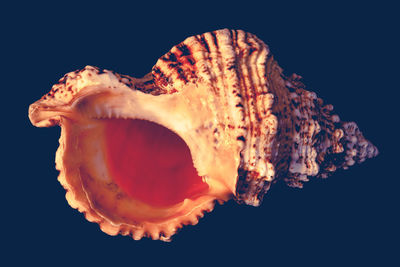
column 236, row 121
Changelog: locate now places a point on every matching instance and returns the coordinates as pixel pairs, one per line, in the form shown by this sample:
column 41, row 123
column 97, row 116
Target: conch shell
column 215, row 119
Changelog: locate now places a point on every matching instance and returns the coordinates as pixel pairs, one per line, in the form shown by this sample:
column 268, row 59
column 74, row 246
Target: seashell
column 215, row 119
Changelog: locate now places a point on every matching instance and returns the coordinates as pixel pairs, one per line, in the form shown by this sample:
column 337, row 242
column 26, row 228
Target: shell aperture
column 150, row 162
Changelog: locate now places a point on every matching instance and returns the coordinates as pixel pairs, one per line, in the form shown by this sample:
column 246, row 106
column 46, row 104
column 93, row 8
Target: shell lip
column 46, row 116
column 174, row 217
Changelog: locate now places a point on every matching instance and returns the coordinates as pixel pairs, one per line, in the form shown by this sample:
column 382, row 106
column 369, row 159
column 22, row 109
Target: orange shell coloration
column 246, row 126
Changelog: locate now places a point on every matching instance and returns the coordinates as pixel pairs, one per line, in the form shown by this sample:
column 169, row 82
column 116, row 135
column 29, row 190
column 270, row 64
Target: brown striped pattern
column 231, row 65
column 250, row 94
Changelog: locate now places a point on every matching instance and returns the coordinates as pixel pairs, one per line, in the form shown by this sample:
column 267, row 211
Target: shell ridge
column 249, row 176
column 224, row 88
column 254, row 51
column 252, row 182
column 263, row 99
column 237, row 95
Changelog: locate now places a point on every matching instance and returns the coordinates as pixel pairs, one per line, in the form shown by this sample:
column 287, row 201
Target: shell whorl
column 285, row 131
column 232, row 66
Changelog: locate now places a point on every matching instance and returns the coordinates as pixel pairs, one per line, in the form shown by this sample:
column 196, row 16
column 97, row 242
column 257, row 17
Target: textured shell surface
column 215, row 119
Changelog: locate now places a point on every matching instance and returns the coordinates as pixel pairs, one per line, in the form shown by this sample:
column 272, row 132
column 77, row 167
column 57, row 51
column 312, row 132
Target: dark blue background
column 345, row 54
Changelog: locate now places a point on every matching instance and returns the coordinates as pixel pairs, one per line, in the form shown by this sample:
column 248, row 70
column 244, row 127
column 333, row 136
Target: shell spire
column 319, row 143
column 215, row 119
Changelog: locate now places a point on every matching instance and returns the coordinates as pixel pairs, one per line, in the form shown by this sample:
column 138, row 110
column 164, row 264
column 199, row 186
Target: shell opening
column 150, row 163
